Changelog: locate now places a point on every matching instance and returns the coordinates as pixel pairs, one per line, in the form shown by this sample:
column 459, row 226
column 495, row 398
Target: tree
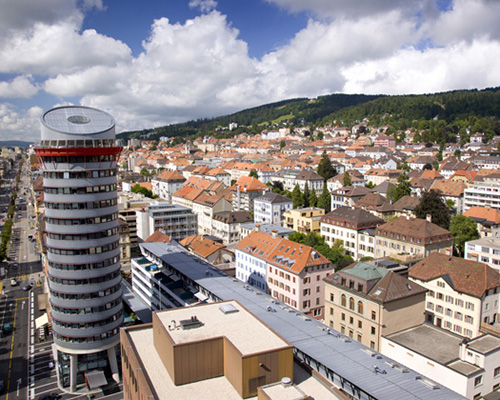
column 282, row 144
column 370, row 185
column 325, row 200
column 305, row 195
column 325, row 167
column 254, row 174
column 297, row 197
column 432, row 204
column 313, row 198
column 347, row 179
column 141, row 189
column 427, row 166
column 403, row 188
column 463, row 229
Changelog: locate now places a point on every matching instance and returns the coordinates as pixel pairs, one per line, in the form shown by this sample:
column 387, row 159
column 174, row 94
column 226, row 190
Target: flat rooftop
column 208, row 389
column 247, row 333
column 484, row 344
column 436, row 344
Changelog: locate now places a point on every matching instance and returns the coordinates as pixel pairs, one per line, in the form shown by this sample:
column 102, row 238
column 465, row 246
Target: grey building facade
column 79, row 161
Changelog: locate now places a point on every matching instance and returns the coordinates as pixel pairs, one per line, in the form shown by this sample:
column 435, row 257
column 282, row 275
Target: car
column 13, row 282
column 14, row 265
column 27, row 287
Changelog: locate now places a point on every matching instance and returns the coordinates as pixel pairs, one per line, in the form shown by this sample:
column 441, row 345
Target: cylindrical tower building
column 79, row 159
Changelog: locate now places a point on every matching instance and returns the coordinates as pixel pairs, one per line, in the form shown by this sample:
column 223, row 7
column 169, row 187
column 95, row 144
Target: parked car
column 27, row 287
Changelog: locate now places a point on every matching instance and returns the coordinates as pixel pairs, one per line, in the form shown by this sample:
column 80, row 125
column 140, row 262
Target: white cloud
column 203, row 5
column 16, row 126
column 460, row 66
column 19, row 87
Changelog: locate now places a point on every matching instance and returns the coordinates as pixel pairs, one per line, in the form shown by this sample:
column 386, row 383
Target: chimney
column 428, row 217
column 257, row 227
column 274, row 233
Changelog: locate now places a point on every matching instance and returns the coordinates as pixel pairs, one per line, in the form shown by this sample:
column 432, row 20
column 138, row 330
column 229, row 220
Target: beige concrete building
column 411, row 239
column 211, row 351
column 366, row 302
column 303, row 220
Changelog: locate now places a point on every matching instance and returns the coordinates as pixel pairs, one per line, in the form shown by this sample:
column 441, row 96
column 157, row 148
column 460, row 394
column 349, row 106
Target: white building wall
column 432, row 370
column 251, row 269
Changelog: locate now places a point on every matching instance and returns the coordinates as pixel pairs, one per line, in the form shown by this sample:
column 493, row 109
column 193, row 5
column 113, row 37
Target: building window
column 374, row 316
column 342, row 317
column 331, row 311
column 351, row 320
column 496, row 372
column 351, row 303
column 478, row 380
column 343, row 300
column 373, row 330
column 372, row 345
column 332, row 297
column 360, row 307
column 342, row 329
column 360, row 324
column 430, row 306
column 359, row 337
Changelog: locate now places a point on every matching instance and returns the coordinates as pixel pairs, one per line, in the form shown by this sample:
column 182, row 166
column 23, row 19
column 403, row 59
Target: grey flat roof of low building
column 484, row 344
column 268, row 228
column 354, row 365
column 435, row 344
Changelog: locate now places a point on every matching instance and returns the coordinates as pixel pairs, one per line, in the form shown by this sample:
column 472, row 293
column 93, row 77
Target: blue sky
column 155, row 62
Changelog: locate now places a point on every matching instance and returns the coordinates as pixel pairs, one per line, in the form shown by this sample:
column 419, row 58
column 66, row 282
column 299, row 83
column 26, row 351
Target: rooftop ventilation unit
column 228, row 308
column 191, row 323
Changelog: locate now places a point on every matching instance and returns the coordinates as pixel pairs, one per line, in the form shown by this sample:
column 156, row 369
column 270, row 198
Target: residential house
column 378, row 205
column 406, row 206
column 206, row 249
column 487, row 219
column 248, row 228
column 270, row 208
column 411, row 239
column 348, row 196
column 336, row 182
column 354, row 227
column 452, row 192
column 483, row 193
column 463, row 294
column 366, row 302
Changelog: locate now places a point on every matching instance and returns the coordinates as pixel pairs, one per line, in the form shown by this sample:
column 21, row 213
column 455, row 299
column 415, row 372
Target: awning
column 41, row 321
column 42, row 301
column 95, row 379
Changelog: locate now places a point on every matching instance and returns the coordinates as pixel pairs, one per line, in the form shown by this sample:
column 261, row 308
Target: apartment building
column 245, row 191
column 462, row 294
column 226, row 225
column 365, row 302
column 176, row 221
column 354, row 227
column 292, row 273
column 304, row 220
column 167, row 183
column 205, row 206
column 270, row 208
column 485, row 193
column 411, row 239
column 485, row 250
column 292, row 177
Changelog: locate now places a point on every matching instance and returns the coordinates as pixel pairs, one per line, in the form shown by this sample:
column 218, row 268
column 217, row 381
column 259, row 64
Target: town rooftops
column 347, row 363
column 484, row 215
column 361, row 218
column 465, row 276
column 273, row 198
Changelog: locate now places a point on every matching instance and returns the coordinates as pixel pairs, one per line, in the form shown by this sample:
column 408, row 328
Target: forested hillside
column 439, row 117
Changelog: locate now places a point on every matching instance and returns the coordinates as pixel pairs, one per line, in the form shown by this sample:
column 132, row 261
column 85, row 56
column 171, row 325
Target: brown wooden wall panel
column 164, row 346
column 233, row 366
column 198, row 360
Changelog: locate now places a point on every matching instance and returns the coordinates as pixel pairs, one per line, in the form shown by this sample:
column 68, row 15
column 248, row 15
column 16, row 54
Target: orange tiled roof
column 250, row 184
column 489, row 214
column 200, row 245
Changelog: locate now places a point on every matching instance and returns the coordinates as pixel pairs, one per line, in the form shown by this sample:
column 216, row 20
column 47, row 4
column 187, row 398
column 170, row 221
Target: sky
column 151, row 63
